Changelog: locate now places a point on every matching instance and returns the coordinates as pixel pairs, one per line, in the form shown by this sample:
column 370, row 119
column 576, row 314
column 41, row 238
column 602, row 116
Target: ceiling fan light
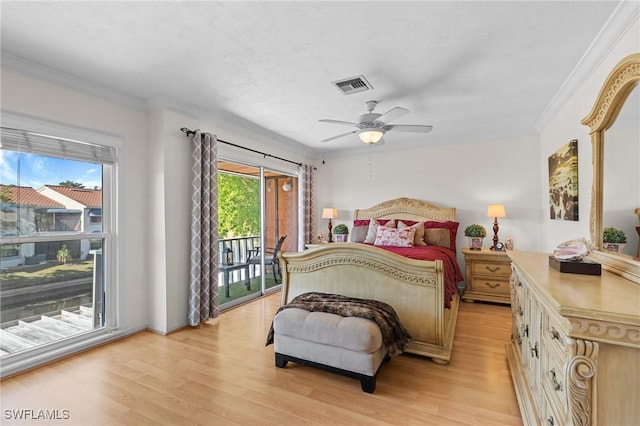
column 370, row 136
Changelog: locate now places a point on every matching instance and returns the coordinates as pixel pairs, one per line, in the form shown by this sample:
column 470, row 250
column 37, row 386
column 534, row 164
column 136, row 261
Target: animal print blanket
column 394, row 336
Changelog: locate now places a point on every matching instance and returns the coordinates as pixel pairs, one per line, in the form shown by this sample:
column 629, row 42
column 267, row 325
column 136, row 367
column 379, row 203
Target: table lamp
column 495, row 211
column 330, row 213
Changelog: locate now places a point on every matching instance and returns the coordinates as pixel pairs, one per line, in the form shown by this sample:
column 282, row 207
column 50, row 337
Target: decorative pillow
column 386, row 236
column 441, row 234
column 359, row 233
column 372, row 231
column 418, row 240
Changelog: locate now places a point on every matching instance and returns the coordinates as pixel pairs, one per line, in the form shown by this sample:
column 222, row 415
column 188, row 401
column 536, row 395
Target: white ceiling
column 476, row 71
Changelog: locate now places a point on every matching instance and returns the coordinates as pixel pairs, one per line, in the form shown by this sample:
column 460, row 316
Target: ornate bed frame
column 414, row 288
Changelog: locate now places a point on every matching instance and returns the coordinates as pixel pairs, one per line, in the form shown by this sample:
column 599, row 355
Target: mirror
column 621, row 174
column 614, row 123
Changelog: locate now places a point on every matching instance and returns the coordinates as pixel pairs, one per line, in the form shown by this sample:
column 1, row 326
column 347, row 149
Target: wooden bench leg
column 368, row 383
column 281, row 360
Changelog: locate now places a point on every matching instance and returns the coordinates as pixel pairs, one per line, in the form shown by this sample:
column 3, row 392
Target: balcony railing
column 240, row 246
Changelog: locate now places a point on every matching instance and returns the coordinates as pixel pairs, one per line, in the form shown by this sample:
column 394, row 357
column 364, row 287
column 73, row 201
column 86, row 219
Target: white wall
column 468, row 177
column 566, row 125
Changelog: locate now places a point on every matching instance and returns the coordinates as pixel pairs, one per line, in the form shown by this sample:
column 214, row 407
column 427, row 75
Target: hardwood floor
column 222, row 373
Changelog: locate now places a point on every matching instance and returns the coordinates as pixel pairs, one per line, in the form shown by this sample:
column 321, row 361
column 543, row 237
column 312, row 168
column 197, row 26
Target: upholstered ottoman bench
column 351, row 346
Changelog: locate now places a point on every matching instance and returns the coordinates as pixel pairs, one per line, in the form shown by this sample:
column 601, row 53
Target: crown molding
column 232, row 122
column 74, row 82
column 620, row 21
column 52, row 75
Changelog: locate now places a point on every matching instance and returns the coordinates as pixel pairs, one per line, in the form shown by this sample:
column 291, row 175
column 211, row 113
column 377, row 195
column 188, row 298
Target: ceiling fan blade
column 344, row 123
column 415, row 128
column 338, row 136
column 392, row 114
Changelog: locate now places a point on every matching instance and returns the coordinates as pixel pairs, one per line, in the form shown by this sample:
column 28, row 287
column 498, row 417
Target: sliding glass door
column 256, row 209
column 280, row 228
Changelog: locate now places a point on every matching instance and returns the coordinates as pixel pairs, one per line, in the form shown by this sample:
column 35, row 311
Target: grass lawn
column 47, row 272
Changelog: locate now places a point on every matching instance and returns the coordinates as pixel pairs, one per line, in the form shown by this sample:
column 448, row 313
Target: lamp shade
column 370, row 136
column 329, row 213
column 496, row 210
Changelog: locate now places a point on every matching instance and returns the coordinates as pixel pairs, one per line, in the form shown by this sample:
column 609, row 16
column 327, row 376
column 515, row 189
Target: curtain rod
column 192, row 132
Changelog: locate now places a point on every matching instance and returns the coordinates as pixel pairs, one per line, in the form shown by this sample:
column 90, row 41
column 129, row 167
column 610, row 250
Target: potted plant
column 63, row 255
column 613, row 239
column 475, row 233
column 341, row 231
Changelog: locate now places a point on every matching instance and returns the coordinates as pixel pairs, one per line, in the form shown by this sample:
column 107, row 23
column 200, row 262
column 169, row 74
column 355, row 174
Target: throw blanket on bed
column 394, row 336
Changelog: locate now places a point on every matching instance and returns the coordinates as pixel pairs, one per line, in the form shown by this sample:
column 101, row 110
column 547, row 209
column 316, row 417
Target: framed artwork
column 563, row 182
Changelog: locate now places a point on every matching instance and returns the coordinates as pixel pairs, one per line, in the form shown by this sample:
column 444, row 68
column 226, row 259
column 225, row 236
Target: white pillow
column 395, row 237
column 373, row 228
column 418, row 240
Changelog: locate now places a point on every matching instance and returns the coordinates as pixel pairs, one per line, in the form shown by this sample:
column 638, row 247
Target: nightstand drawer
column 482, row 267
column 490, row 285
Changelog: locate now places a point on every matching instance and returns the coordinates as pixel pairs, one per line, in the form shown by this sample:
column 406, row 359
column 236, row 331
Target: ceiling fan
column 372, row 126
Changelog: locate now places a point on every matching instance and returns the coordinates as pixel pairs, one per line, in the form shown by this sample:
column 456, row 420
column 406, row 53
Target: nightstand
column 486, row 276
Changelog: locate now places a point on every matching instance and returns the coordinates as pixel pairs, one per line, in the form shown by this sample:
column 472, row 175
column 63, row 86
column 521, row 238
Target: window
column 56, row 251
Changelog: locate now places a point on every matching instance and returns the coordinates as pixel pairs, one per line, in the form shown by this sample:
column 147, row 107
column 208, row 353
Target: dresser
column 486, row 275
column 574, row 354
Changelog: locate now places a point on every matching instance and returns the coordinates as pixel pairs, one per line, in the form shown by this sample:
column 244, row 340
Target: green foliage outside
column 238, row 206
column 5, row 195
column 71, row 184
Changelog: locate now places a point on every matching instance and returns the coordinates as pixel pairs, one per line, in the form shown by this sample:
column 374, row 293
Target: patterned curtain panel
column 306, row 211
column 203, row 286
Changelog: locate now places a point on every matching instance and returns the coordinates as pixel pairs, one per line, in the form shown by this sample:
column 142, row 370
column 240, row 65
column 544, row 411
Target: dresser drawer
column 549, row 416
column 486, row 267
column 553, row 334
column 553, row 381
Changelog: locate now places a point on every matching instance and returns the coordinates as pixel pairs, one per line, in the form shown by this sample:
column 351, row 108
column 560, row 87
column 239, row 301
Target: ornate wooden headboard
column 406, row 208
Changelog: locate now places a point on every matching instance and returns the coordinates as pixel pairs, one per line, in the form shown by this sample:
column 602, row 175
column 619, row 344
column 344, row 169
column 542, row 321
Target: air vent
column 353, row 85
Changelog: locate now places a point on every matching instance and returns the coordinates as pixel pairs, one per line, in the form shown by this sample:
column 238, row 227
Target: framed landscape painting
column 563, row 182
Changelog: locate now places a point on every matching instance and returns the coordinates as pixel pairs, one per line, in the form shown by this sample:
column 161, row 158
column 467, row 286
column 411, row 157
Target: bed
column 423, row 292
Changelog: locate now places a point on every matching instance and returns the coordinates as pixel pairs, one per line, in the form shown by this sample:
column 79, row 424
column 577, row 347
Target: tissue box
column 584, row 266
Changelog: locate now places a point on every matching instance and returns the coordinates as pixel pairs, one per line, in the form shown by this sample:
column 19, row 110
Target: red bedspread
column 452, row 272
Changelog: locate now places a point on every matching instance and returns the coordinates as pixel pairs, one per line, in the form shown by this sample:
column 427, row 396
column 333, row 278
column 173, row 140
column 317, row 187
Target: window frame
column 112, row 175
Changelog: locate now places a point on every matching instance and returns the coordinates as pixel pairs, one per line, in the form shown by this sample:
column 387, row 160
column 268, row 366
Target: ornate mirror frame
column 619, row 84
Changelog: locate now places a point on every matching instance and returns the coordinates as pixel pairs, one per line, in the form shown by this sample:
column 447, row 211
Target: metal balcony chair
column 270, row 258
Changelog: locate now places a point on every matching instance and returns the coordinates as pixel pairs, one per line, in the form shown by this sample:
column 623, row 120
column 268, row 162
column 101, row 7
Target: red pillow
column 365, row 222
column 449, row 225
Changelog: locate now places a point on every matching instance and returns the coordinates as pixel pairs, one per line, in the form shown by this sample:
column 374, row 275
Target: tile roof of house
column 88, row 197
column 25, row 195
